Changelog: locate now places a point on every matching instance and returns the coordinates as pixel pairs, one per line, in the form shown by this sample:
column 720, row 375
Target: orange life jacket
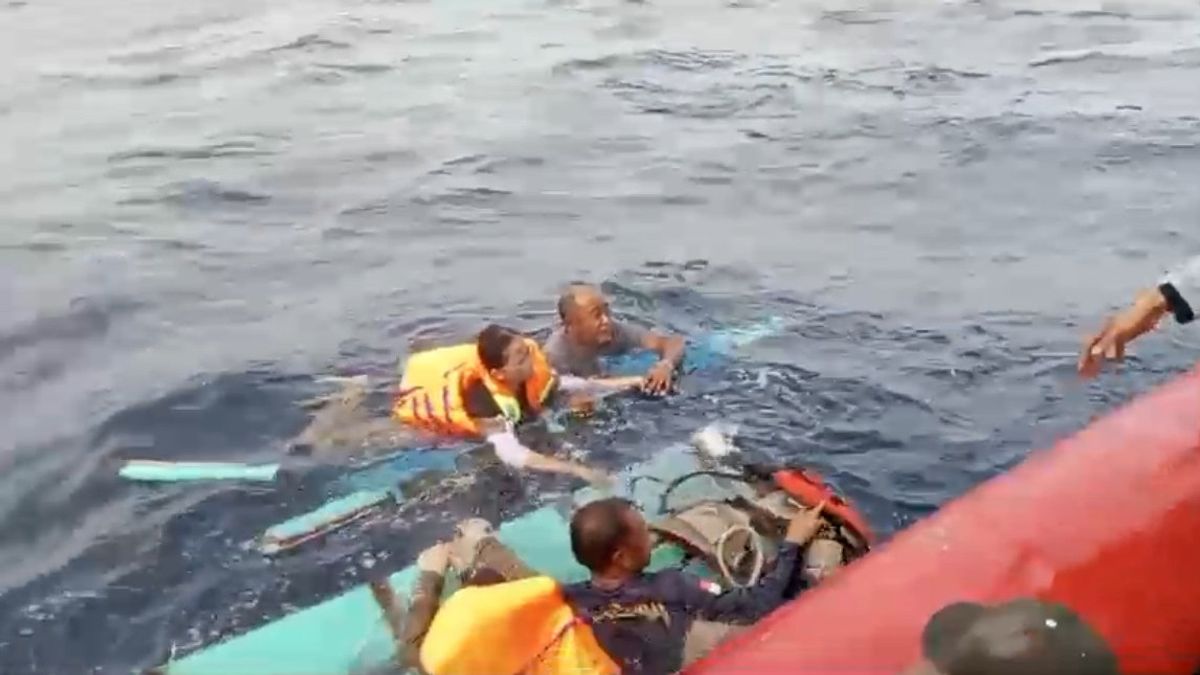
column 432, row 389
column 522, row 627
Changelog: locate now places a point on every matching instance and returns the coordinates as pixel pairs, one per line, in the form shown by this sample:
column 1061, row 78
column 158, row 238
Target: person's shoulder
column 568, row 358
column 584, row 596
column 627, row 336
column 555, row 339
column 555, row 348
column 576, row 589
column 629, row 328
column 556, row 343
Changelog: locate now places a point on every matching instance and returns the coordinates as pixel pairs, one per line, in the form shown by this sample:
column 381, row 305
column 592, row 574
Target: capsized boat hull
column 349, row 633
column 1106, row 522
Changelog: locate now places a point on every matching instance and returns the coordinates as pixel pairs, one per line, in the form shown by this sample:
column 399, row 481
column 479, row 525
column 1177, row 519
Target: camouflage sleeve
column 426, row 598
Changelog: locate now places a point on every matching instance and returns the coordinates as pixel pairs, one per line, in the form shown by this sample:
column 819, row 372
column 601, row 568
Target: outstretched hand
column 581, row 403
column 434, row 559
column 469, row 534
column 1109, row 343
column 805, row 525
column 659, row 379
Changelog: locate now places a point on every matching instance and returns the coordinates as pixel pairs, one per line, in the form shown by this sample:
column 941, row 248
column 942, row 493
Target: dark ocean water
column 205, row 206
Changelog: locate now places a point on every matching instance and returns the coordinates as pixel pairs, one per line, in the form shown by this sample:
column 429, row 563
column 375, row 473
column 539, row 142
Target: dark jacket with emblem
column 643, row 623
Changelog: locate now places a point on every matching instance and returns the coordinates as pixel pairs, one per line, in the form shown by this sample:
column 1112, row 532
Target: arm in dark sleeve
column 1181, row 289
column 741, row 605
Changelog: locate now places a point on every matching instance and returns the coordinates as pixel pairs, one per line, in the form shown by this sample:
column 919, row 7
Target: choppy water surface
column 206, row 205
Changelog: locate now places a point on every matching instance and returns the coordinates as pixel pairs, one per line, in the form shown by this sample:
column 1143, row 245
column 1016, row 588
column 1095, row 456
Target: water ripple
column 199, row 194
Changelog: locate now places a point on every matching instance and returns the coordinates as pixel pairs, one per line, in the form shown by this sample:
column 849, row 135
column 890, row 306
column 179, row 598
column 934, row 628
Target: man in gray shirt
column 589, row 331
column 1177, row 293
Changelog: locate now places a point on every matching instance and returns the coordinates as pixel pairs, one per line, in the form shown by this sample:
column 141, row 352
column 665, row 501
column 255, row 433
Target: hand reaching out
column 805, row 525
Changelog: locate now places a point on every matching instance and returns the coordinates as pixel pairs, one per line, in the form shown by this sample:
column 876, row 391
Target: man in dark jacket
column 642, row 620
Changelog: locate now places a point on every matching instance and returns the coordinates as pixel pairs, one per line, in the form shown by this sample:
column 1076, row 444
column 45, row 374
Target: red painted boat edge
column 1107, row 521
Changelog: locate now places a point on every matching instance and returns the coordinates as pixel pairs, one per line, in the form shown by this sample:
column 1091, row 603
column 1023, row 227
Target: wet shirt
column 1181, row 288
column 643, row 624
column 567, row 357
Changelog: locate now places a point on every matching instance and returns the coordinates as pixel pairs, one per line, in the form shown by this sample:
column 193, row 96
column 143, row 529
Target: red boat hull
column 1107, row 522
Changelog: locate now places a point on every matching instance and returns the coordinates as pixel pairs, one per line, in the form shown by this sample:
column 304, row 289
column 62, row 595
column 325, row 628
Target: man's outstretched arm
column 670, row 350
column 516, row 454
column 1177, row 293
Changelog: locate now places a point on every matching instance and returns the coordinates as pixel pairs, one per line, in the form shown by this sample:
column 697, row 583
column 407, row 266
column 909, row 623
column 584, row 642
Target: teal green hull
column 348, row 633
column 172, row 472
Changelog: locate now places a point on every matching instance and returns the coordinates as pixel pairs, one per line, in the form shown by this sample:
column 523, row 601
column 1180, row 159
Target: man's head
column 610, row 538
column 585, row 315
column 1020, row 636
column 506, row 355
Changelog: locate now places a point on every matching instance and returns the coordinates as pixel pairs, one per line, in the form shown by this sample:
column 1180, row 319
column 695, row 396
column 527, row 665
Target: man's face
column 590, row 322
column 518, row 364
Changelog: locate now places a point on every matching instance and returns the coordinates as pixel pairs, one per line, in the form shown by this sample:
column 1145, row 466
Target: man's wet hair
column 569, row 300
column 492, row 343
column 598, row 530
